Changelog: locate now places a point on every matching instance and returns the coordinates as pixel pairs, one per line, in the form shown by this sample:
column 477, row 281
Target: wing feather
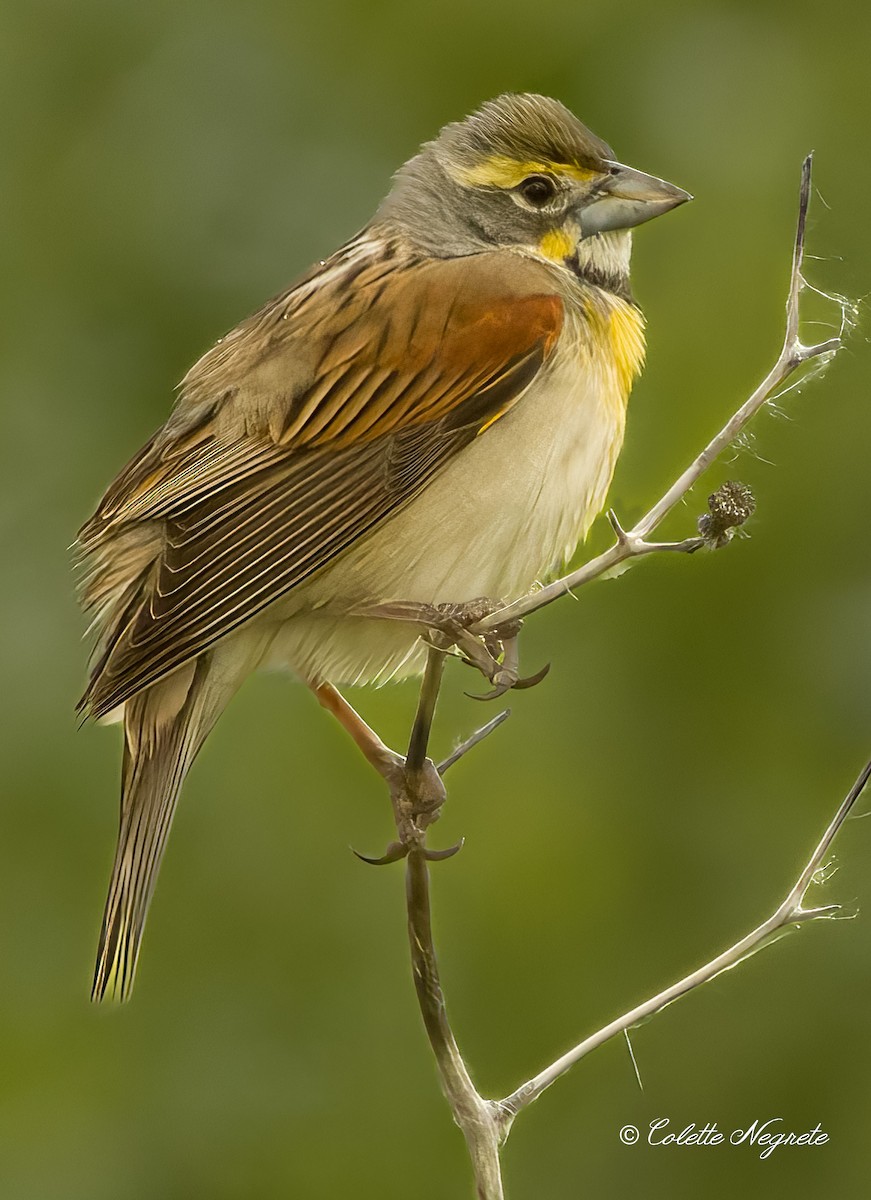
column 291, row 443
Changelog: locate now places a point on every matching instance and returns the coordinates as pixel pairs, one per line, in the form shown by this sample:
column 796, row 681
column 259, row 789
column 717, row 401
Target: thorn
column 395, row 852
column 470, row 742
column 619, row 531
column 633, row 1059
column 812, row 914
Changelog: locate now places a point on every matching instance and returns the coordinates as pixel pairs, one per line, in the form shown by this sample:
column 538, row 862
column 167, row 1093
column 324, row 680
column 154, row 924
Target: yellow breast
column 616, row 330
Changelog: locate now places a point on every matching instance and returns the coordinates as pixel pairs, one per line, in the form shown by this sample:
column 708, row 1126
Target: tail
column 164, row 728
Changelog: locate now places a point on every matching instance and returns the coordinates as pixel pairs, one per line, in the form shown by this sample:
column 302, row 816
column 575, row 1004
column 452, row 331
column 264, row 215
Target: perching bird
column 432, row 414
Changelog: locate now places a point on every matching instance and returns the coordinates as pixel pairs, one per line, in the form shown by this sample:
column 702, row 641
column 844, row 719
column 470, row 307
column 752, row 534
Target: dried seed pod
column 729, row 506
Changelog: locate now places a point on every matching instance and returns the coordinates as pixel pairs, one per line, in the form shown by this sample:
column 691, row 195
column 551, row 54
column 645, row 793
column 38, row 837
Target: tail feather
column 164, row 727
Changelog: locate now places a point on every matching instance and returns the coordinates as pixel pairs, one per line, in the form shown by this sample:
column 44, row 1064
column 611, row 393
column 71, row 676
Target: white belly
column 502, row 515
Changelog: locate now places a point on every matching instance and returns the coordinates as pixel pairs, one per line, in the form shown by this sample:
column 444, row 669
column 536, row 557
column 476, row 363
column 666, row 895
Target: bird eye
column 537, row 190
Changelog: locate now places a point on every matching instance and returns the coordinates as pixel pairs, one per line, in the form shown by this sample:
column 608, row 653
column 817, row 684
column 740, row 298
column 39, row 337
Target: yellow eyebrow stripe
column 499, row 171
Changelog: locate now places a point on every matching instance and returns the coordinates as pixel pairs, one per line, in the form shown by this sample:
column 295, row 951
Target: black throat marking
column 609, row 281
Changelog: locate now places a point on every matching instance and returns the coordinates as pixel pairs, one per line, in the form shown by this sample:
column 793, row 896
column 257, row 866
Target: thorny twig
column 633, row 543
column 790, row 912
column 417, row 790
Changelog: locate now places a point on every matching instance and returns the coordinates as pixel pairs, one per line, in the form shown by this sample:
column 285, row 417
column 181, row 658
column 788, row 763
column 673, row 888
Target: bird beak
column 626, row 198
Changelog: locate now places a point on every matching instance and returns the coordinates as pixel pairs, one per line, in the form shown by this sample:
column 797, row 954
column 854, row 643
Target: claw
column 438, row 855
column 503, row 685
column 505, row 677
column 394, row 853
column 504, row 681
column 533, row 680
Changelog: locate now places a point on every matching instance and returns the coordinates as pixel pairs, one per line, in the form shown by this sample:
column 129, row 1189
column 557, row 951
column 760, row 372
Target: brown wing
column 299, row 434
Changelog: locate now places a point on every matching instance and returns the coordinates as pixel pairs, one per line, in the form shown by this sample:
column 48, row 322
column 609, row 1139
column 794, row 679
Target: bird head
column 523, row 172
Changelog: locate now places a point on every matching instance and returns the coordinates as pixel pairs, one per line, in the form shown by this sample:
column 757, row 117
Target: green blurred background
column 165, row 168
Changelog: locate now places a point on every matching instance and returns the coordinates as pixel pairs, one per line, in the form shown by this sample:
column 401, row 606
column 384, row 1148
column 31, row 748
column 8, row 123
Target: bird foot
column 396, row 851
column 494, row 653
column 417, row 795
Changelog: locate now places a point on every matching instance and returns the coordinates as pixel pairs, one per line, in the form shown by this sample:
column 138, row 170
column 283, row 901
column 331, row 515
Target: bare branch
column 633, row 543
column 489, row 642
column 790, row 912
column 417, row 795
column 474, row 1115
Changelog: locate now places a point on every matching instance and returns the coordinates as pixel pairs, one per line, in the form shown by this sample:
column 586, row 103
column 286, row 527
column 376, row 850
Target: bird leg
column 381, row 757
column 494, row 653
column 416, row 789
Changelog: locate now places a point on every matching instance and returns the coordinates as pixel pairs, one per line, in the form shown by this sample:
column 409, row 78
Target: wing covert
column 291, row 448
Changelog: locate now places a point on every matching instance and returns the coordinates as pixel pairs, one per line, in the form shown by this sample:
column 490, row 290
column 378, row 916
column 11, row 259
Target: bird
column 429, row 416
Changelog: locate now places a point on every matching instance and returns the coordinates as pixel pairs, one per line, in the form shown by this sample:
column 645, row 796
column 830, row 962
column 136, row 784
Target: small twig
column 790, row 912
column 633, row 543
